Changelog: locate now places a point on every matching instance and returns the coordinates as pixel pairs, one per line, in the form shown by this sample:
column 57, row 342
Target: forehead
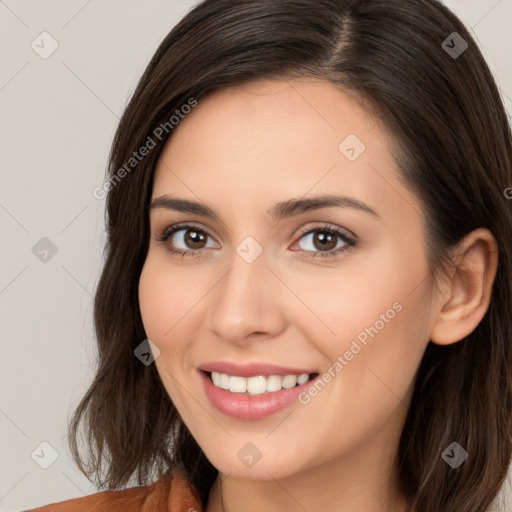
column 260, row 142
column 272, row 118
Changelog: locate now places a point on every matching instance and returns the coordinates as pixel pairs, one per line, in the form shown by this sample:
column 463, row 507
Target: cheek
column 153, row 302
column 375, row 320
column 172, row 304
column 378, row 300
column 342, row 303
column 381, row 346
column 162, row 305
column 165, row 298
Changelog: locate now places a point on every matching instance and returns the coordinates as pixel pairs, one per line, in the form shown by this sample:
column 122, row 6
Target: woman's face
column 268, row 285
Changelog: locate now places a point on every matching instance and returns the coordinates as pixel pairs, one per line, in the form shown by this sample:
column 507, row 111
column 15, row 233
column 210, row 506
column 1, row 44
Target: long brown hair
column 453, row 151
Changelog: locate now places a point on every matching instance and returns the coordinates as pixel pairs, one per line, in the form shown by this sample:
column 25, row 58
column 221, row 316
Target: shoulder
column 172, row 493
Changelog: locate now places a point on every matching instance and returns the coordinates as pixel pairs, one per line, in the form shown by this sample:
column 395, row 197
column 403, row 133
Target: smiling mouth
column 258, row 385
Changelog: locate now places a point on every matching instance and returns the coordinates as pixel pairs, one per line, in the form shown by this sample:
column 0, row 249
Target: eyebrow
column 279, row 211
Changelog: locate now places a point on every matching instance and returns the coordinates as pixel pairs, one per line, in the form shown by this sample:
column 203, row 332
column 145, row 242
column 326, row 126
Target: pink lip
column 247, row 407
column 251, row 369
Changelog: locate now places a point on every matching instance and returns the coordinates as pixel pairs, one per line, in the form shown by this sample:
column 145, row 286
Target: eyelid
column 327, row 226
column 170, row 226
column 350, row 241
column 171, row 229
column 303, row 231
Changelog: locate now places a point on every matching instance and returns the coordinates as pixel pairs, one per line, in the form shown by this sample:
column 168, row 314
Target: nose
column 247, row 302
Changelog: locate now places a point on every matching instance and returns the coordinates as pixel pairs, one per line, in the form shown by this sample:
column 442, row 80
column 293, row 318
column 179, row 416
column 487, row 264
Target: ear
column 466, row 296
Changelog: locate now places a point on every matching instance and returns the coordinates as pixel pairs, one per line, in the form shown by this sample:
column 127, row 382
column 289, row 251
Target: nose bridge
column 244, row 301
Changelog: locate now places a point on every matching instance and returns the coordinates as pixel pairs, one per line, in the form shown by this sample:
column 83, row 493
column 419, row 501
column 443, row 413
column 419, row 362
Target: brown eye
column 323, row 241
column 194, row 239
column 185, row 239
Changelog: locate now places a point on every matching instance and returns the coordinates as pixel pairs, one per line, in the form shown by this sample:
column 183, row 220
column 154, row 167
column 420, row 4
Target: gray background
column 58, row 116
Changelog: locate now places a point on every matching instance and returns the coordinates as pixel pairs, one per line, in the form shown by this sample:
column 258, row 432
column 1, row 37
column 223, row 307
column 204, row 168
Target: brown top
column 172, row 493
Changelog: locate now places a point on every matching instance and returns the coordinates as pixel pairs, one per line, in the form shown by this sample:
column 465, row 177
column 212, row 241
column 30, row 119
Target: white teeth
column 274, row 383
column 216, row 379
column 302, row 379
column 289, row 381
column 237, row 384
column 224, row 381
column 257, row 385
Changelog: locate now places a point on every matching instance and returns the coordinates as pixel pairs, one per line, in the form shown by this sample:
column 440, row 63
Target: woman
column 306, row 299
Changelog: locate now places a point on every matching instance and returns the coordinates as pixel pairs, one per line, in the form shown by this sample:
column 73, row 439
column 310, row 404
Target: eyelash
column 167, row 232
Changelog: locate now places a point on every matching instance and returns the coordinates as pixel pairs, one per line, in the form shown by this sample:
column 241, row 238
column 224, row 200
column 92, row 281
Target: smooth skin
column 240, row 151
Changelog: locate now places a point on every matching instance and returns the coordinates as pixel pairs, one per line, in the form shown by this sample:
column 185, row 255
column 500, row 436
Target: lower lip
column 247, row 407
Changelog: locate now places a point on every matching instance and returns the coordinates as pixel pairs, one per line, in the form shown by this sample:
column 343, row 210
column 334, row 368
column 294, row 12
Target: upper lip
column 251, row 369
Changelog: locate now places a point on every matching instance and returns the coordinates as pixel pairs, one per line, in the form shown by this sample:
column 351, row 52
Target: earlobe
column 469, row 290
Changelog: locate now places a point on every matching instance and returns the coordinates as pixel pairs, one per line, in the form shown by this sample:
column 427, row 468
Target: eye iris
column 326, row 240
column 194, row 237
column 322, row 237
